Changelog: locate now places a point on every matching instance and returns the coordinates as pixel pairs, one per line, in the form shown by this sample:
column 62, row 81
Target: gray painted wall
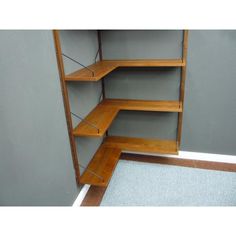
column 210, row 104
column 35, row 159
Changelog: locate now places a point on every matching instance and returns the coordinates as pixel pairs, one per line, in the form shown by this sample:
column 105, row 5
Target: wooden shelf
column 100, row 169
column 100, row 69
column 101, row 117
column 102, row 164
column 142, row 145
column 105, row 112
column 104, row 67
column 147, row 63
column 144, row 105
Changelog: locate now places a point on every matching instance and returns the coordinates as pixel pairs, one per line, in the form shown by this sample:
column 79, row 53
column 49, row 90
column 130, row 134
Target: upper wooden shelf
column 100, row 118
column 104, row 67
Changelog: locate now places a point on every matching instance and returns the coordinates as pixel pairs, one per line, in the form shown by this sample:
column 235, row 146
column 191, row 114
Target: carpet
column 145, row 184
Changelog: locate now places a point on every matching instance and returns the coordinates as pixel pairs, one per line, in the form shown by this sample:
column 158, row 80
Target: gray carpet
column 145, row 184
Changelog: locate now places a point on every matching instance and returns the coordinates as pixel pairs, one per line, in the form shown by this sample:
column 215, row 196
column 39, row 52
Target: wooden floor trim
column 221, row 166
column 94, row 196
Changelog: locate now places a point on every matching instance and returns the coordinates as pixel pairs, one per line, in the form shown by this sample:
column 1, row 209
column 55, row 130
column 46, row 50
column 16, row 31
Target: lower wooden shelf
column 142, row 144
column 101, row 167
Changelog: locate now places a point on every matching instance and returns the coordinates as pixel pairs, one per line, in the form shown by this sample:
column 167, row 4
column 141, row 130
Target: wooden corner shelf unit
column 100, row 169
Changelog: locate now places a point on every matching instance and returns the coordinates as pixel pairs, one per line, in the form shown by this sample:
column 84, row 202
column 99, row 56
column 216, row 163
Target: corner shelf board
column 106, row 111
column 96, row 122
column 142, row 144
column 144, row 105
column 107, row 156
column 104, row 67
column 103, row 164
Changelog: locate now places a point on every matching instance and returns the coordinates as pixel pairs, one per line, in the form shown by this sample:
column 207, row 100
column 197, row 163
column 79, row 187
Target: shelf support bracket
column 93, row 74
column 92, row 172
column 83, row 120
column 96, row 56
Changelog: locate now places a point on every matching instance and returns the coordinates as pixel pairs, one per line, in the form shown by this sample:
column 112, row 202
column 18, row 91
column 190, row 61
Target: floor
column 146, row 184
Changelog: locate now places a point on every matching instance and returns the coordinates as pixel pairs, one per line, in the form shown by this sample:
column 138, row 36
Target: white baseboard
column 182, row 155
column 196, row 156
column 81, row 195
column 208, row 157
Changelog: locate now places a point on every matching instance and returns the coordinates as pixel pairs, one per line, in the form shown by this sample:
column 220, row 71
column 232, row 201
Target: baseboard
column 94, row 196
column 81, row 195
column 199, row 156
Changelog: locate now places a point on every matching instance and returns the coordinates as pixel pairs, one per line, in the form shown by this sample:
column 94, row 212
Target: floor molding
column 210, row 165
column 200, row 156
column 81, row 195
column 94, row 196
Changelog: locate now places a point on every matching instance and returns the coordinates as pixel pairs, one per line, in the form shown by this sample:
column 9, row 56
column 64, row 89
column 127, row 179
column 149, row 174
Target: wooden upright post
column 101, row 58
column 182, row 85
column 66, row 104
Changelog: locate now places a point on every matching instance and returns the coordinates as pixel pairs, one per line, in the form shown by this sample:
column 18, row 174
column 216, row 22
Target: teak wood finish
column 101, row 117
column 182, row 85
column 144, row 105
column 142, row 144
column 105, row 112
column 103, row 165
column 104, row 67
column 97, row 122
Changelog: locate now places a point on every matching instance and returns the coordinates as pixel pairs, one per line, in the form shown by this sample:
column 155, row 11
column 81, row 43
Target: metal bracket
column 83, row 120
column 92, row 172
column 101, row 96
column 95, row 59
column 93, row 74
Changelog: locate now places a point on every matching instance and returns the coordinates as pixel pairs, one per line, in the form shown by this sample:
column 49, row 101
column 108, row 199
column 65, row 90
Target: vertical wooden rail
column 182, row 85
column 101, row 58
column 66, row 104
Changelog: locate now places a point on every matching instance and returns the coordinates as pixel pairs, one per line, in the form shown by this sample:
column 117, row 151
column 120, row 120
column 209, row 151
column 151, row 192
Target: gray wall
column 210, row 107
column 210, row 104
column 35, row 159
